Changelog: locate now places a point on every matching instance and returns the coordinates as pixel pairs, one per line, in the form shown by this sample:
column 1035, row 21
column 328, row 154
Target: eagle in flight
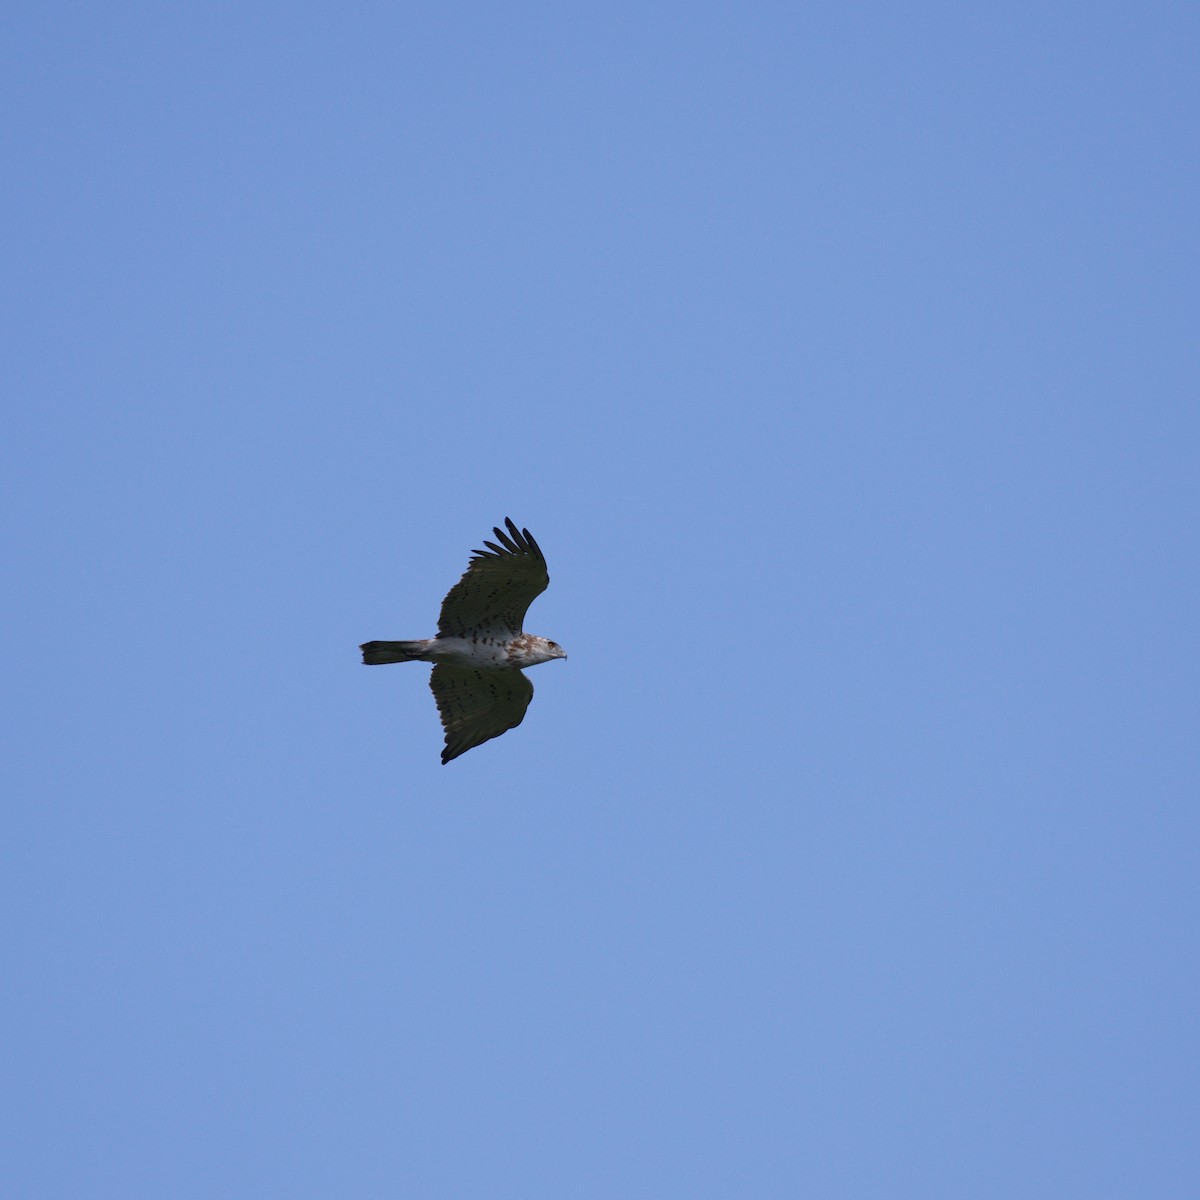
column 479, row 650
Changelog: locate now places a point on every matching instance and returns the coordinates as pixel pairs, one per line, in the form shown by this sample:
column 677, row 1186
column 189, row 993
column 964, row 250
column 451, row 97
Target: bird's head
column 529, row 650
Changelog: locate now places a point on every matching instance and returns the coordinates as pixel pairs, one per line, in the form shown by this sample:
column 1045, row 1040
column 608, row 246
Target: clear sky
column 842, row 358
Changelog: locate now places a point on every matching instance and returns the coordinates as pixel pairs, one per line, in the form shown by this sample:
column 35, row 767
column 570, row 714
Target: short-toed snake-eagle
column 480, row 648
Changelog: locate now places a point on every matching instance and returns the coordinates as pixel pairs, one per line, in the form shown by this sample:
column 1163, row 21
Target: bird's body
column 486, row 653
column 480, row 647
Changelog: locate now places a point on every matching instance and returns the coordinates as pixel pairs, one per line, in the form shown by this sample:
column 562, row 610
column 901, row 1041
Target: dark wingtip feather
column 506, row 541
column 516, row 533
column 532, row 544
column 521, row 540
column 515, row 541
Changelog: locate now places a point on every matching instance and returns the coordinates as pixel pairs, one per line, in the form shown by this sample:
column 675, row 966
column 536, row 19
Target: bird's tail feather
column 375, row 653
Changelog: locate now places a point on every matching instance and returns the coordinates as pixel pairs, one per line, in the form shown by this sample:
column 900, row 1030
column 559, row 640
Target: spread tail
column 375, row 653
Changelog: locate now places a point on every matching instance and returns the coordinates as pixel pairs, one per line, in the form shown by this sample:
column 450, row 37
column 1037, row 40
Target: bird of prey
column 479, row 650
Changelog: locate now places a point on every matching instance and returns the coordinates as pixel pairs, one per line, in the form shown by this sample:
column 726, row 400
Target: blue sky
column 842, row 358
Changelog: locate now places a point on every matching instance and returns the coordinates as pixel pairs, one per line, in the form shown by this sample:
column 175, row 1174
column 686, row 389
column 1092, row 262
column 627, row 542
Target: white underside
column 462, row 652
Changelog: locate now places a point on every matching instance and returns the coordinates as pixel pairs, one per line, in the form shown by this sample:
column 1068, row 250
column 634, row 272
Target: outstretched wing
column 476, row 706
column 497, row 588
